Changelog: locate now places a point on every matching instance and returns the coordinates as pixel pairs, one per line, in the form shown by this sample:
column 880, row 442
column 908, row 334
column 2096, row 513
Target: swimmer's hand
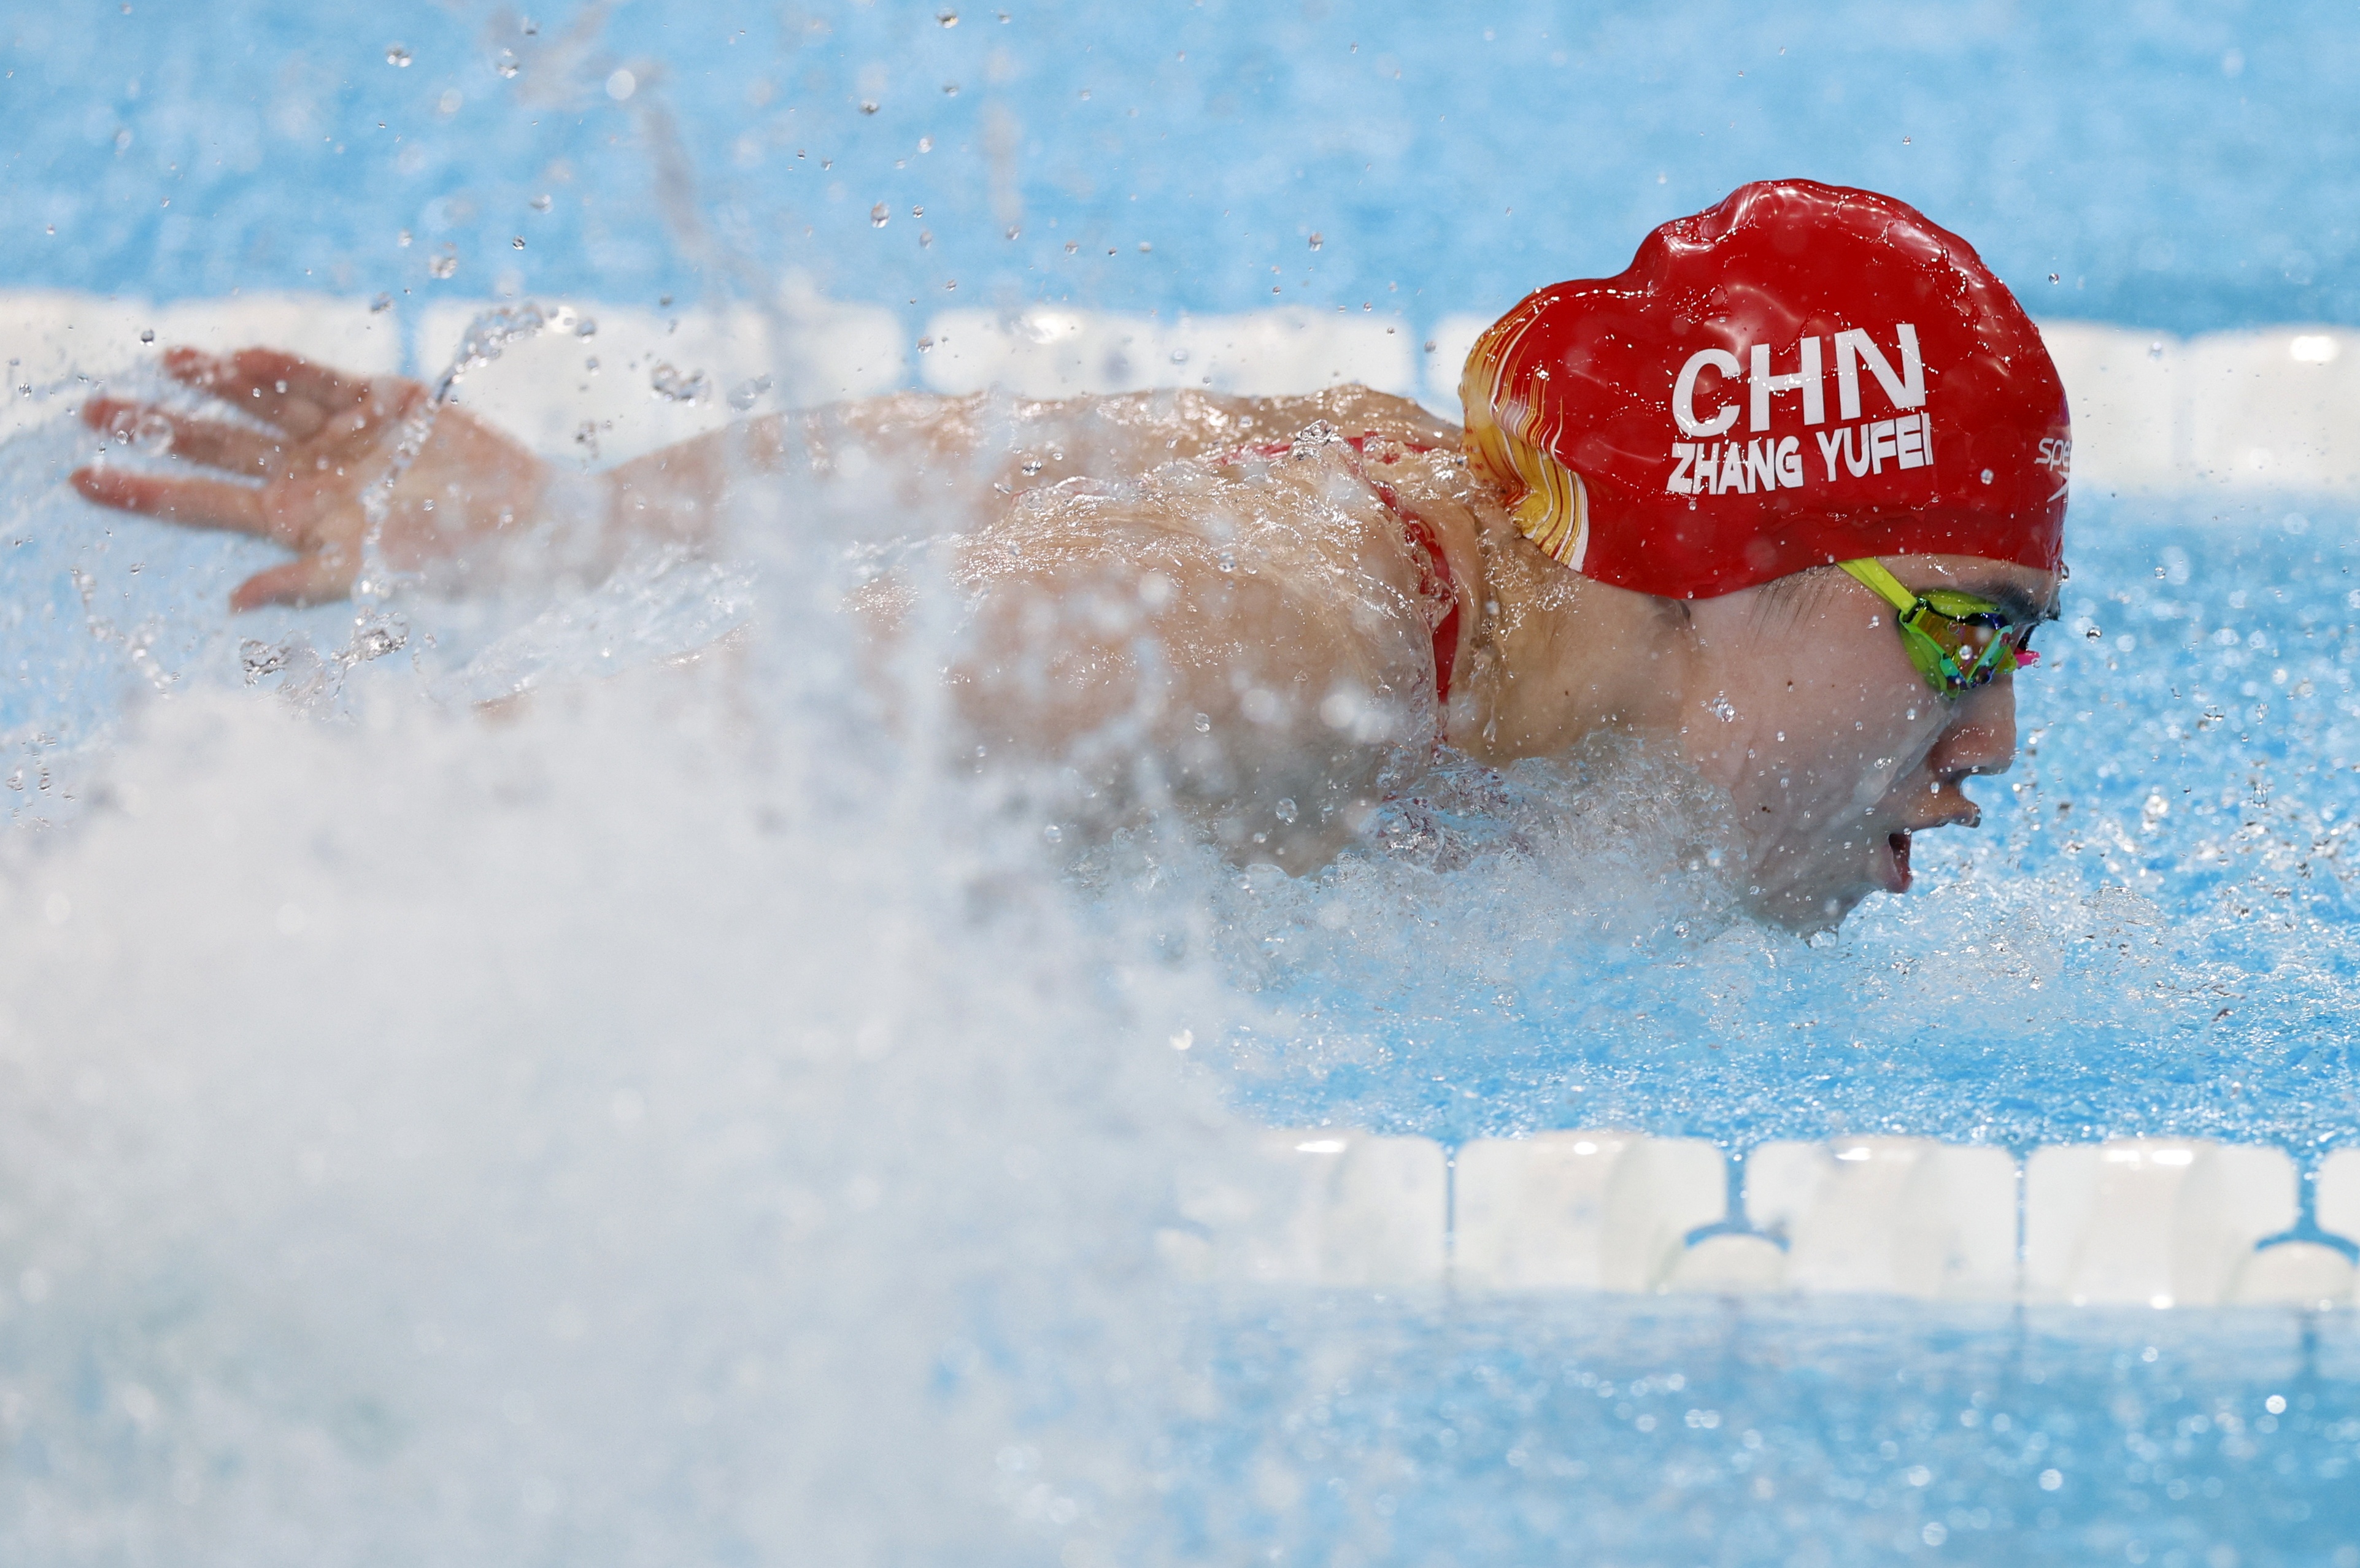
column 318, row 444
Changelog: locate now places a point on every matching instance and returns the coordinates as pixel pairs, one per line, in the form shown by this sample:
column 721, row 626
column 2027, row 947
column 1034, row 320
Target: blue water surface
column 2178, row 166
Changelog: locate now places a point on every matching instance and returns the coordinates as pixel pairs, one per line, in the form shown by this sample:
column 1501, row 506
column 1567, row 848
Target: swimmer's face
column 1804, row 706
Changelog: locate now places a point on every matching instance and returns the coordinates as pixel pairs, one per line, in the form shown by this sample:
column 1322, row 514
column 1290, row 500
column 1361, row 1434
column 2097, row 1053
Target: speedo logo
column 1858, row 448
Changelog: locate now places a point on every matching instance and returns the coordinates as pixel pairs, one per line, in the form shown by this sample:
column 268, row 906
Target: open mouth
column 1899, row 843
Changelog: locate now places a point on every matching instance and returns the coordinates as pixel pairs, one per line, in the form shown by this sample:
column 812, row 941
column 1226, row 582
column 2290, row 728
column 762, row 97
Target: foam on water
column 586, row 1141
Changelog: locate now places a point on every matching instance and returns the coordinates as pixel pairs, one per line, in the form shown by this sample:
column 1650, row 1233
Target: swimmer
column 1783, row 502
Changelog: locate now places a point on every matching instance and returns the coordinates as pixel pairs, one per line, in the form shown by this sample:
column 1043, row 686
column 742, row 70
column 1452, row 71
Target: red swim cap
column 1800, row 375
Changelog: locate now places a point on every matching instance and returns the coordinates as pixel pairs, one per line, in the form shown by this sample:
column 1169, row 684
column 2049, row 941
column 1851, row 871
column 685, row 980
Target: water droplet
column 1204, row 724
column 746, row 394
column 1317, row 239
column 1071, row 246
column 925, row 144
column 879, row 217
column 540, row 204
column 1987, row 475
column 925, row 239
column 403, row 239
column 669, row 385
column 1905, row 141
column 917, row 211
column 381, row 304
column 950, row 88
column 2053, row 278
column 1287, row 811
column 1013, row 231
column 395, row 55
column 1144, row 247
column 869, row 105
column 517, row 242
column 444, row 264
column 621, row 85
column 146, row 335
column 2093, row 634
column 1722, row 708
column 946, row 17
column 507, row 63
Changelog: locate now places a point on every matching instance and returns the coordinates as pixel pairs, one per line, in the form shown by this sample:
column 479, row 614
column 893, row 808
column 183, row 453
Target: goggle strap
column 1871, row 574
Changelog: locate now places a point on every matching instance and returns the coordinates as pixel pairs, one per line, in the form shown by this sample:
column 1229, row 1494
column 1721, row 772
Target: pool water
column 677, row 1122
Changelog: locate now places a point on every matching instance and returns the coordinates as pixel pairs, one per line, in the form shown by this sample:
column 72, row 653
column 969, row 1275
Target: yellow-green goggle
column 1958, row 642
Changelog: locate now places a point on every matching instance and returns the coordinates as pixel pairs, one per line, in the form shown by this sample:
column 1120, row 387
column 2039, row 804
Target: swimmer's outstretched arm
column 472, row 505
column 309, row 460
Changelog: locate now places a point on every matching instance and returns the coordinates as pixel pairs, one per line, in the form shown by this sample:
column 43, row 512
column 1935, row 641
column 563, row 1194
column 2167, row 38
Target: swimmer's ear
column 308, row 580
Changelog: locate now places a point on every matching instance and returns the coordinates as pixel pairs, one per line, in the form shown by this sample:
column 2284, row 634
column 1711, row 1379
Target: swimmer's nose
column 1981, row 735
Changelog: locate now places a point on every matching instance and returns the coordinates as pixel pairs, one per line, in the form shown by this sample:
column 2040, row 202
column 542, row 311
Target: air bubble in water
column 879, row 217
column 395, row 55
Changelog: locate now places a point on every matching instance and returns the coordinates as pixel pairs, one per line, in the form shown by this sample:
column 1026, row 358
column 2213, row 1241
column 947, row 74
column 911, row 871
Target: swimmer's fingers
column 308, row 580
column 207, row 441
column 193, row 502
column 281, row 388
